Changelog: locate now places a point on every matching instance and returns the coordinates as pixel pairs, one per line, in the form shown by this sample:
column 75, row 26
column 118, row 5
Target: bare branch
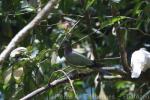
column 83, row 76
column 123, row 53
column 113, row 77
column 25, row 31
column 55, row 83
column 136, row 29
column 92, row 37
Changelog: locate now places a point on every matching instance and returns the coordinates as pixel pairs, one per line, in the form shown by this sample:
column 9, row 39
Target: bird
column 75, row 58
column 140, row 62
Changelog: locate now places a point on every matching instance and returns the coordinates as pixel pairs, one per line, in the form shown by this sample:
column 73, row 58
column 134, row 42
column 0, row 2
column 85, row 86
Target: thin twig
column 145, row 96
column 111, row 58
column 112, row 77
column 136, row 29
column 68, row 33
column 87, row 36
column 71, row 83
column 92, row 37
column 21, row 13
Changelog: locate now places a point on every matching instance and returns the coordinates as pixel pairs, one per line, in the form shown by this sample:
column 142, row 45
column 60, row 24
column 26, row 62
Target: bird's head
column 67, row 46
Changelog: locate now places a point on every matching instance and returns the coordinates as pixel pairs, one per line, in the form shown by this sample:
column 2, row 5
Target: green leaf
column 89, row 3
column 112, row 21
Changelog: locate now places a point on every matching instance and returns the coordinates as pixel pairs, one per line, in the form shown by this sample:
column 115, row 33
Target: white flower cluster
column 140, row 61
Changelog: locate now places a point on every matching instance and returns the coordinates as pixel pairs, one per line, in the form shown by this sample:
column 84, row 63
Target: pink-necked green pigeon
column 75, row 58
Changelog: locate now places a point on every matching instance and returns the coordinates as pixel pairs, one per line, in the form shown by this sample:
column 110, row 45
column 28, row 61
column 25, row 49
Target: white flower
column 140, row 61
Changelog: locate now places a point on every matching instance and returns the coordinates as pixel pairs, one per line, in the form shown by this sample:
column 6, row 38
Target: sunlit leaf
column 18, row 73
column 89, row 3
column 54, row 58
column 7, row 75
column 111, row 21
column 102, row 94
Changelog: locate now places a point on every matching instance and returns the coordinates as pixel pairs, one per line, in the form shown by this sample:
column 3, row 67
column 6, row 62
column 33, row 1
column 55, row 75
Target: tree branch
column 92, row 37
column 25, row 31
column 123, row 53
column 55, row 83
column 84, row 76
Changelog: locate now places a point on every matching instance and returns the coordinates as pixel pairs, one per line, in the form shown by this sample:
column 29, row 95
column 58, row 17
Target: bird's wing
column 78, row 59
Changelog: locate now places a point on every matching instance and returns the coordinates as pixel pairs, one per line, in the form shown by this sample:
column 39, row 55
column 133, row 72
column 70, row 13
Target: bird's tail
column 98, row 66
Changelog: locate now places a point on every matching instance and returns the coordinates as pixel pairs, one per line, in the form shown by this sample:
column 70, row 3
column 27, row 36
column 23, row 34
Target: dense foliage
column 92, row 24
